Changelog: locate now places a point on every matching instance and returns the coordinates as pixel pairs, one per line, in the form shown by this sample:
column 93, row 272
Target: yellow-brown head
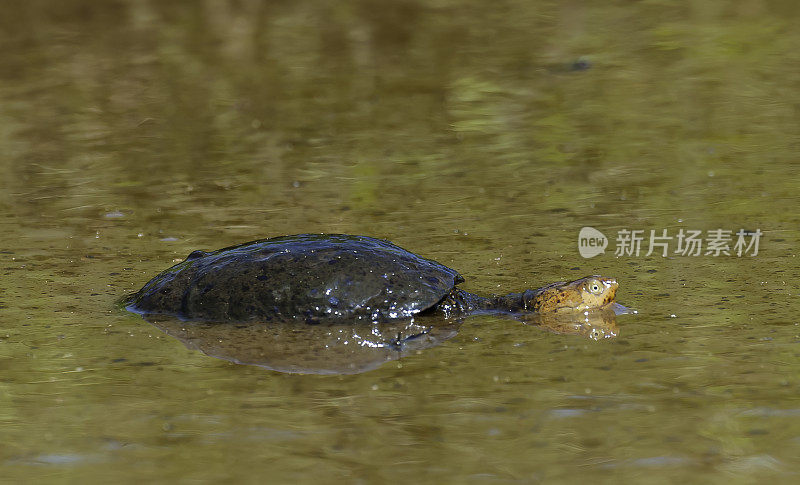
column 585, row 294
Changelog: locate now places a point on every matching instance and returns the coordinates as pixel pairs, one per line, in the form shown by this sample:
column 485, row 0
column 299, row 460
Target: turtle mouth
column 611, row 289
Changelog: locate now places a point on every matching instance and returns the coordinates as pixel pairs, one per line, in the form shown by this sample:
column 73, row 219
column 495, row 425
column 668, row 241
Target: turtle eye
column 595, row 287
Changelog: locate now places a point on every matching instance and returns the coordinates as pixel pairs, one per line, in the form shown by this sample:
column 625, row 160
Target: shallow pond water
column 481, row 135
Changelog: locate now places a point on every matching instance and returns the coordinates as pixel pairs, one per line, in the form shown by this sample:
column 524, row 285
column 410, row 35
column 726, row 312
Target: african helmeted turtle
column 337, row 278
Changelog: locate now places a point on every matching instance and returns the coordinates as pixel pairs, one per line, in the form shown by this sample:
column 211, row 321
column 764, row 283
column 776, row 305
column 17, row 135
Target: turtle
column 339, row 278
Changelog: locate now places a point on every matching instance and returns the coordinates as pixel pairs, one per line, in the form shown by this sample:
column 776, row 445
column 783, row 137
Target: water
column 480, row 135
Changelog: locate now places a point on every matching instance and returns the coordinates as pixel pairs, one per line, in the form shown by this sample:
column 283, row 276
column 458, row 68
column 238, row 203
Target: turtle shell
column 307, row 277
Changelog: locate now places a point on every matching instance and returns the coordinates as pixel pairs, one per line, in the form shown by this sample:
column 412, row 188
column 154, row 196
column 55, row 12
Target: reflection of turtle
column 338, row 279
column 310, row 349
column 341, row 348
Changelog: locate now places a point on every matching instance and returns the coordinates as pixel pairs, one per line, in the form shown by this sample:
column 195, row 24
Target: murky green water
column 133, row 132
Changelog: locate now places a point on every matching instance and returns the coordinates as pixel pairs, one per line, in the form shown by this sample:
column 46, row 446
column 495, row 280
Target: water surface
column 482, row 135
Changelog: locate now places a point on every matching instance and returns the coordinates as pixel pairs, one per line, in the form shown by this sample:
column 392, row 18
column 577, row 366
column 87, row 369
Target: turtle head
column 589, row 293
